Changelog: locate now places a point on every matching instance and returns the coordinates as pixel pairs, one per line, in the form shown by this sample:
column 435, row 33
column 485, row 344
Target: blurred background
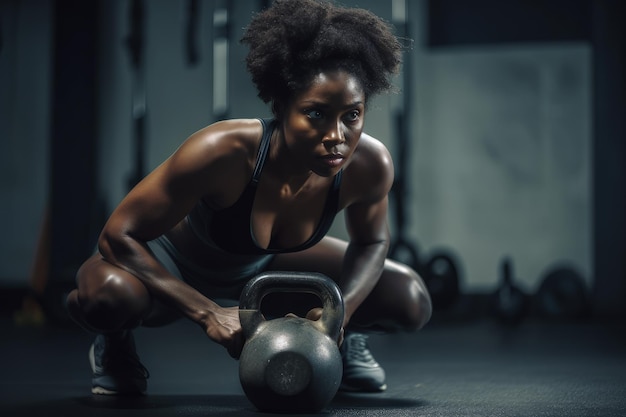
column 507, row 130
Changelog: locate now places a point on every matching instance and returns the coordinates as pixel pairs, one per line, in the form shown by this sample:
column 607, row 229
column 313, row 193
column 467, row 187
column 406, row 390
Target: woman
column 244, row 196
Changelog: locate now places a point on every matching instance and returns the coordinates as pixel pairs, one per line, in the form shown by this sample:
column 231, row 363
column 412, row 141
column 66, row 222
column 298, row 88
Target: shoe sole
column 349, row 388
column 103, row 391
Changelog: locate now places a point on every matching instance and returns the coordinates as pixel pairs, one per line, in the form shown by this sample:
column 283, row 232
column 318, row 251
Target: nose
column 334, row 134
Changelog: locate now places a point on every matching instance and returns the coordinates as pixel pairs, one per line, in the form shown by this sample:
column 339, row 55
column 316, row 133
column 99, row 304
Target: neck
column 284, row 166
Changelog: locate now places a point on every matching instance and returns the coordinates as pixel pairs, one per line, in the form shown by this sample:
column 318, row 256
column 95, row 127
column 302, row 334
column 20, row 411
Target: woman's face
column 323, row 123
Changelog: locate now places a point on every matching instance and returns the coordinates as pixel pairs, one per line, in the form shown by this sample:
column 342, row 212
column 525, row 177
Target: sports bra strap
column 268, row 129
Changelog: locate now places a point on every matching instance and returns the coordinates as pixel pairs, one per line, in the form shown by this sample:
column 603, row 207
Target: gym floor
column 450, row 368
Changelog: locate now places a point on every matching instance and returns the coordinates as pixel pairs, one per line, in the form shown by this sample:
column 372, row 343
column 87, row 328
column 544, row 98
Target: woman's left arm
column 369, row 183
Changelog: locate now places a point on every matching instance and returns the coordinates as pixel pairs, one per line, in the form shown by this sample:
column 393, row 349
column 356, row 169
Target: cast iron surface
column 290, row 364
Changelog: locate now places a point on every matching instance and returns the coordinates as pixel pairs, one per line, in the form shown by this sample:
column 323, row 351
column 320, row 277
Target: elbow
column 114, row 244
column 109, row 240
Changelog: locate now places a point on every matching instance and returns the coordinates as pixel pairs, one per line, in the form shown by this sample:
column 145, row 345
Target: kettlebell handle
column 295, row 282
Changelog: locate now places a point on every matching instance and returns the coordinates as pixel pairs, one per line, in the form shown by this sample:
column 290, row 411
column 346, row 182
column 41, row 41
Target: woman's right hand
column 222, row 326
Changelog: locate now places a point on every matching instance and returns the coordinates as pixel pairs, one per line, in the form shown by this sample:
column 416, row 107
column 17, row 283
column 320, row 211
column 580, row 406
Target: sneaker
column 116, row 366
column 361, row 372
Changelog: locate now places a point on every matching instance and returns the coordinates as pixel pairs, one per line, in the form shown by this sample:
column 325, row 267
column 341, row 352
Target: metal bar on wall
column 220, row 59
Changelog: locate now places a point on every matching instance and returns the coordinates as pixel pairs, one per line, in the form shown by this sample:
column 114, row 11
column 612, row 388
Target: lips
column 333, row 159
column 332, row 156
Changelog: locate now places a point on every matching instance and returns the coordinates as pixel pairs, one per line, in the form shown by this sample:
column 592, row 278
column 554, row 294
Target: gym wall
column 501, row 135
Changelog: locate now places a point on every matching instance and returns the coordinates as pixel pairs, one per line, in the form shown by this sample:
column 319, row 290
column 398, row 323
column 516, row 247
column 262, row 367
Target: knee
column 415, row 300
column 107, row 300
column 112, row 294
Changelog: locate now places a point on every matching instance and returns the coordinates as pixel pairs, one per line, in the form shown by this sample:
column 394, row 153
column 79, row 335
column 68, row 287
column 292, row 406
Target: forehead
column 337, row 85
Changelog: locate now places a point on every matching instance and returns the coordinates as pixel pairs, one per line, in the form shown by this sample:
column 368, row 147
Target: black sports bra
column 230, row 229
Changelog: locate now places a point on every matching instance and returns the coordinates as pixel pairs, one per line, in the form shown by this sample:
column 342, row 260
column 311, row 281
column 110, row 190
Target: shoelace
column 358, row 349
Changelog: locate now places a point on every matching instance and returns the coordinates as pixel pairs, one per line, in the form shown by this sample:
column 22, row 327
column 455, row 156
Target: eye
column 353, row 116
column 313, row 114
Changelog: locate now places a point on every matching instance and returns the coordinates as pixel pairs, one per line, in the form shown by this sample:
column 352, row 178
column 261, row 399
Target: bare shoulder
column 221, row 143
column 219, row 158
column 373, row 151
column 370, row 172
column 225, row 138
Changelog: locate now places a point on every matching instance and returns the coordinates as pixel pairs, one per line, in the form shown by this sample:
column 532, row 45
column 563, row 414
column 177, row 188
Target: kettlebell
column 290, row 364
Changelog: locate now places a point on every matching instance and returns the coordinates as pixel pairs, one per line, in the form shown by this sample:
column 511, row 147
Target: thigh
column 326, row 257
column 399, row 299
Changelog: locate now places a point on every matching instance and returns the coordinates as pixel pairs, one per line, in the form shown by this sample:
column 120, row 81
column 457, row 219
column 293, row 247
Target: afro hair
column 293, row 40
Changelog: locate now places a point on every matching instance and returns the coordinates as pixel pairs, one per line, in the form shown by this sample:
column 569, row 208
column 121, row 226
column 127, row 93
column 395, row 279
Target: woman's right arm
column 161, row 200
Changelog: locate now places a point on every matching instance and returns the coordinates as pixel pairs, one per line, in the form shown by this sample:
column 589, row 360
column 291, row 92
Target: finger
column 314, row 314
